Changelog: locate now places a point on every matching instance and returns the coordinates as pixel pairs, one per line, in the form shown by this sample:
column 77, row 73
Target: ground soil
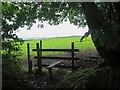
column 87, row 59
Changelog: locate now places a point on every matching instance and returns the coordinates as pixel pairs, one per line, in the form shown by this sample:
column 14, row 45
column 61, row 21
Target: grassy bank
column 58, row 43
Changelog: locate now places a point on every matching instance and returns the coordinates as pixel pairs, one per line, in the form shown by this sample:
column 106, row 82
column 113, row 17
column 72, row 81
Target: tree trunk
column 111, row 56
column 114, row 78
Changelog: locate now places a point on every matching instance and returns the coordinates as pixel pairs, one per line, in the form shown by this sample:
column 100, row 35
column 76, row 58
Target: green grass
column 58, row 43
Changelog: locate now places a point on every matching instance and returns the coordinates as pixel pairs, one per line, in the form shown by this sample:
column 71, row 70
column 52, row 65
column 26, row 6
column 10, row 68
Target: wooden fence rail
column 39, row 56
column 56, row 50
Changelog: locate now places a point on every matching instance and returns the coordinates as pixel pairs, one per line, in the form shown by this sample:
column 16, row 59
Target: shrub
column 11, row 68
column 87, row 78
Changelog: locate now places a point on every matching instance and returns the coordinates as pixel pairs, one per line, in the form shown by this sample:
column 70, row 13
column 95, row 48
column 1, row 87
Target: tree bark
column 93, row 17
column 111, row 56
column 114, row 78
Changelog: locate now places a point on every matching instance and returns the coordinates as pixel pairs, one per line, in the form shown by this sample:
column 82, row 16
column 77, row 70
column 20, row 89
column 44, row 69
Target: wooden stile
column 39, row 57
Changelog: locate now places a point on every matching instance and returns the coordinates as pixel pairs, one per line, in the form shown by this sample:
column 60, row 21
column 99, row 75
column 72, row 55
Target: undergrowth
column 86, row 78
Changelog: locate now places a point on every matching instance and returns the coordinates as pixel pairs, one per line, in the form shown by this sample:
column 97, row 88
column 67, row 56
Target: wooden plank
column 50, row 68
column 50, row 73
column 60, row 66
column 63, row 58
column 29, row 61
column 55, row 50
column 40, row 52
column 54, row 64
column 39, row 59
column 72, row 53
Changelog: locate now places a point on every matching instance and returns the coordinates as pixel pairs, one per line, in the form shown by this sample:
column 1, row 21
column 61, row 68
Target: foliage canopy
column 103, row 20
column 18, row 14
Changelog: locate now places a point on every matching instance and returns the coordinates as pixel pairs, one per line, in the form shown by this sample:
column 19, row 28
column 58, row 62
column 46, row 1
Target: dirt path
column 87, row 59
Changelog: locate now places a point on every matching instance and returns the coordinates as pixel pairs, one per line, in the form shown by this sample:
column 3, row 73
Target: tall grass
column 58, row 43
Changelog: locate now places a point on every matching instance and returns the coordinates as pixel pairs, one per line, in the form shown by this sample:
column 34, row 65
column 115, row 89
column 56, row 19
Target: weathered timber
column 53, row 64
column 29, row 61
column 64, row 58
column 72, row 53
column 50, row 68
column 39, row 59
column 60, row 66
column 56, row 50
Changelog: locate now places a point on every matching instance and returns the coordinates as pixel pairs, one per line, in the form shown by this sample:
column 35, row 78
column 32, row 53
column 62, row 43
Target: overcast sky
column 61, row 30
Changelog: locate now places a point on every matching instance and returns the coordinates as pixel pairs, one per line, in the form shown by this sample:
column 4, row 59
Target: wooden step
column 53, row 64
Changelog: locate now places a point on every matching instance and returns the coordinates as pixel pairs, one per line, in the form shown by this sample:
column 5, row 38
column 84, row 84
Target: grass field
column 58, row 43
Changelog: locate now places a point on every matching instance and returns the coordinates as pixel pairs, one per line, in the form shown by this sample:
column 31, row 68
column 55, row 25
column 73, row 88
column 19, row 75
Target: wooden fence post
column 72, row 47
column 39, row 58
column 29, row 61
